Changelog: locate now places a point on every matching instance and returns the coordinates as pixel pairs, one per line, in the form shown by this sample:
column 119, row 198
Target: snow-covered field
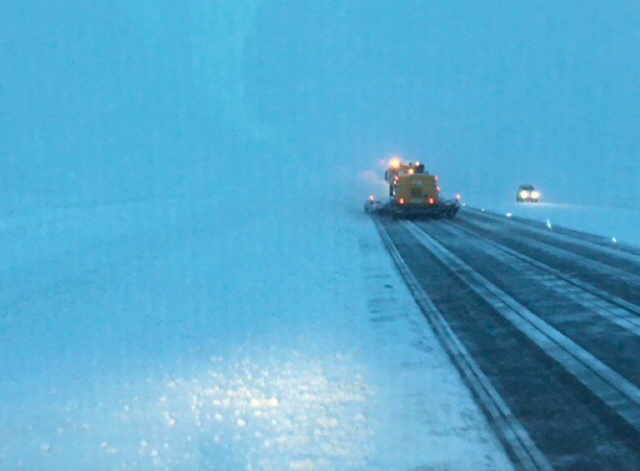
column 186, row 335
column 619, row 223
column 264, row 325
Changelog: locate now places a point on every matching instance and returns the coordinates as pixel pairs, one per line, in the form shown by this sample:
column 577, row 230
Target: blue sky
column 131, row 97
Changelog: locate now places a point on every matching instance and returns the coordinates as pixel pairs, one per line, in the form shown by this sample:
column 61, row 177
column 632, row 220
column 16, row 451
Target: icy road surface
column 181, row 336
column 618, row 223
column 544, row 323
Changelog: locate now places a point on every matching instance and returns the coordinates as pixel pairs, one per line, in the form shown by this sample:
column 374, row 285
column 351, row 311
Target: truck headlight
column 524, row 194
column 535, row 195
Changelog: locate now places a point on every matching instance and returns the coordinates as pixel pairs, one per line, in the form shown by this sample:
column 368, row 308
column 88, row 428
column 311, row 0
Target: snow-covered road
column 543, row 322
column 182, row 335
column 612, row 222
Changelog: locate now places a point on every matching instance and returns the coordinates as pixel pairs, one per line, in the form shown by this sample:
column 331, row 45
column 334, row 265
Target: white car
column 527, row 194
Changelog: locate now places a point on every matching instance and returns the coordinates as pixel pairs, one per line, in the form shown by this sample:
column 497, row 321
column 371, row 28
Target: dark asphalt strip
column 622, row 284
column 610, row 333
column 605, row 243
column 573, row 428
column 566, row 277
column 599, row 250
column 517, row 442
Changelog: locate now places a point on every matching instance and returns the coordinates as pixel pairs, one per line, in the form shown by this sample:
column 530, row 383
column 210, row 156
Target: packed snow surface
column 187, row 335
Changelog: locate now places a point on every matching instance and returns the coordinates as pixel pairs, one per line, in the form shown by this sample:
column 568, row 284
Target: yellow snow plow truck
column 413, row 193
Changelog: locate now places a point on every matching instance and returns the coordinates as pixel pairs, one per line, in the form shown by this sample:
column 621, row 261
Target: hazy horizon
column 154, row 98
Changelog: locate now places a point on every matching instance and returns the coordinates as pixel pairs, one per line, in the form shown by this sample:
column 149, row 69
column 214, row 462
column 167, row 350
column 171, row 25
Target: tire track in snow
column 511, row 433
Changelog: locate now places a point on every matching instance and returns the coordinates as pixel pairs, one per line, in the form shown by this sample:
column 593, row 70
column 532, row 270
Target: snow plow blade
column 443, row 209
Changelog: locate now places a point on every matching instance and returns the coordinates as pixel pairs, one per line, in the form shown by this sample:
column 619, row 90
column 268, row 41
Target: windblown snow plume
column 373, row 183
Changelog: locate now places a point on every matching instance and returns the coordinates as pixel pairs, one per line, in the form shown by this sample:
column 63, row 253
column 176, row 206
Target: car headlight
column 535, row 195
column 524, row 194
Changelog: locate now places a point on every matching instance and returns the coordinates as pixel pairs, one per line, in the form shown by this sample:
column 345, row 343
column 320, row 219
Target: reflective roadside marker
column 509, row 215
column 614, row 240
column 482, row 210
column 549, row 225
